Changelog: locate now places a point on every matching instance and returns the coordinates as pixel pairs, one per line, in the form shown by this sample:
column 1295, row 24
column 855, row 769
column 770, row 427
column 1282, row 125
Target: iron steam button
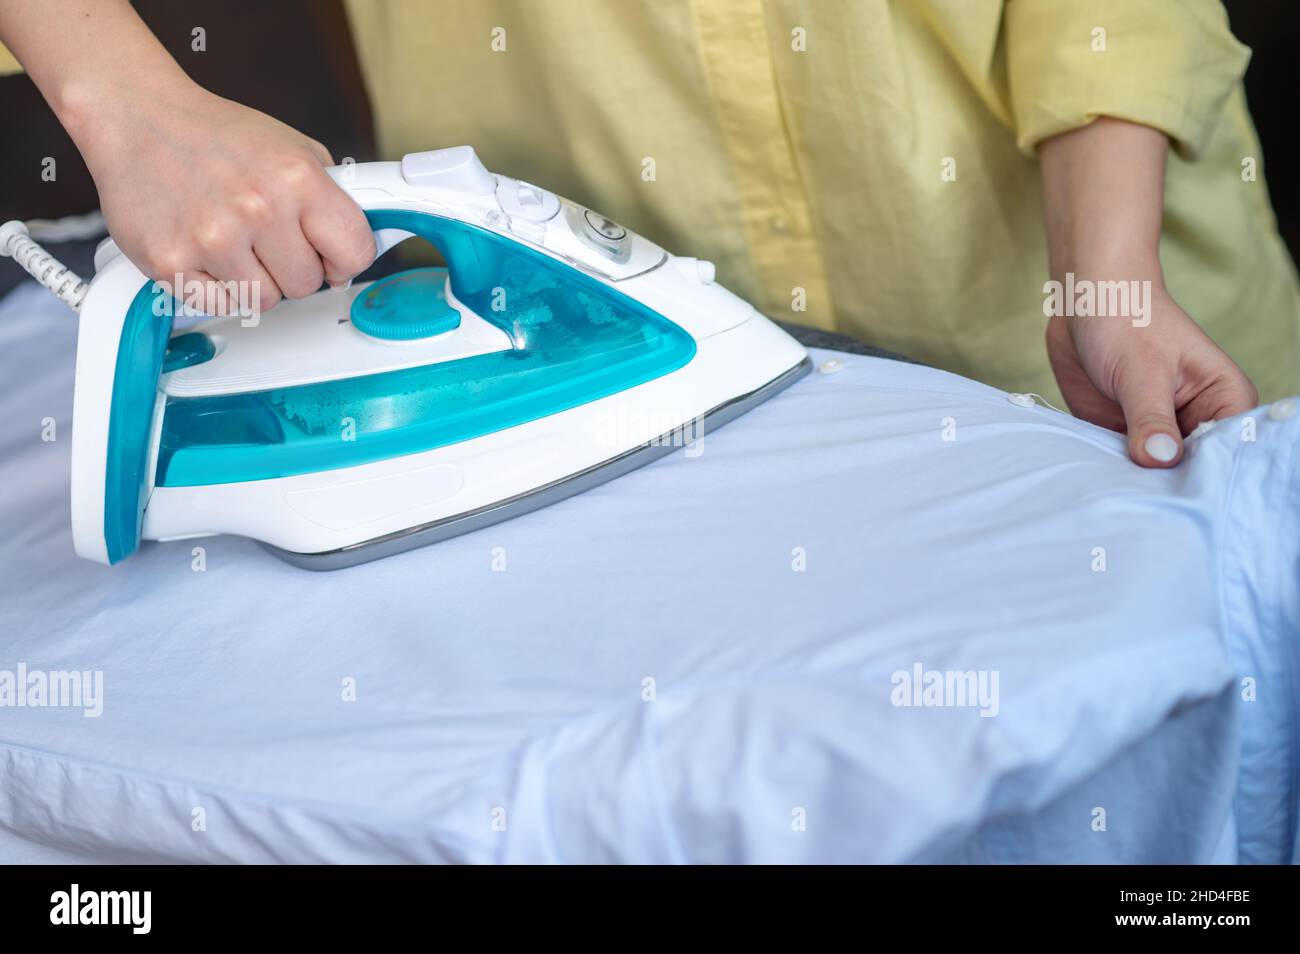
column 523, row 200
column 455, row 168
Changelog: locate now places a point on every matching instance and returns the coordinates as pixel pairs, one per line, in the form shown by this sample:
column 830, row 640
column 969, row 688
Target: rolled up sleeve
column 1168, row 64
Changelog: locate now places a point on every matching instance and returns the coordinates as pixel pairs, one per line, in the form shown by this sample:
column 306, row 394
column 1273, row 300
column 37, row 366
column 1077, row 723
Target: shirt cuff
column 1169, row 64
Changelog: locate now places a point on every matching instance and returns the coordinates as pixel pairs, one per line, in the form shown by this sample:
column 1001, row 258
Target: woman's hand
column 1156, row 381
column 1149, row 370
column 197, row 186
column 191, row 185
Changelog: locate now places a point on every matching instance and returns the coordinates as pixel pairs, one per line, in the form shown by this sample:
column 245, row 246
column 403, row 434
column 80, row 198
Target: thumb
column 1147, row 399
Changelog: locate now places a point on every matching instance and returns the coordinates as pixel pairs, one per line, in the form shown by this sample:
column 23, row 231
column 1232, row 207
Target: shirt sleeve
column 1169, row 64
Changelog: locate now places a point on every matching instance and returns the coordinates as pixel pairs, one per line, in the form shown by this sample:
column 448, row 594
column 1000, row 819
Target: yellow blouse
column 866, row 166
column 869, row 161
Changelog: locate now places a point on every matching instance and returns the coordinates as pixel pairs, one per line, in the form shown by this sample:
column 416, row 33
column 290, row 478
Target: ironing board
column 721, row 657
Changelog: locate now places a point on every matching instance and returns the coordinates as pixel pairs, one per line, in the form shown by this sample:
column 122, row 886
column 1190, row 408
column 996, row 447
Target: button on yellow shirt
column 865, row 166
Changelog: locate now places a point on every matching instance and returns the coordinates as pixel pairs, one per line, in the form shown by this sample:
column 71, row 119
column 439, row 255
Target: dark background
column 313, row 82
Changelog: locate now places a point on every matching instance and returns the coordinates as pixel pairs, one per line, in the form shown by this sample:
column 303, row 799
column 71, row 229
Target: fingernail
column 1161, row 447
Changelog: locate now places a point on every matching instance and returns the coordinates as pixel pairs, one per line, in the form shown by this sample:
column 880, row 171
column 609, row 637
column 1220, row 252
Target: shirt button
column 1282, row 410
column 778, row 225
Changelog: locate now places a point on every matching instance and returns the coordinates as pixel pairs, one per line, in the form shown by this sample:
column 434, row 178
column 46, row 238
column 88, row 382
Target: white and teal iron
column 555, row 351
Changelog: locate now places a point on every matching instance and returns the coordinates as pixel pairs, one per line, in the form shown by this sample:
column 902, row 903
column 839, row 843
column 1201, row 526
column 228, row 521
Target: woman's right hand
column 197, row 186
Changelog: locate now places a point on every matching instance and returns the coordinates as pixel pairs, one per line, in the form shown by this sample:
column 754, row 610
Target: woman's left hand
column 1146, row 367
column 1156, row 381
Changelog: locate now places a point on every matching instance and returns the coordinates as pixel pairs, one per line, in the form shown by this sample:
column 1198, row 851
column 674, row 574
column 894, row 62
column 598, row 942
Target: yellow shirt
column 872, row 161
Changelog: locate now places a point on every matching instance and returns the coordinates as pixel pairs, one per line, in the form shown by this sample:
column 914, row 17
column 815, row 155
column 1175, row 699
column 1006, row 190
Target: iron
column 556, row 350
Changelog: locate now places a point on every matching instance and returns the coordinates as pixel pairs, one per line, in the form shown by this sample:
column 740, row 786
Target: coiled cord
column 17, row 243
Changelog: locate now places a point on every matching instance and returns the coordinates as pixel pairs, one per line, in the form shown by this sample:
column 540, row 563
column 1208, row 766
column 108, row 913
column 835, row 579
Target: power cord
column 17, row 242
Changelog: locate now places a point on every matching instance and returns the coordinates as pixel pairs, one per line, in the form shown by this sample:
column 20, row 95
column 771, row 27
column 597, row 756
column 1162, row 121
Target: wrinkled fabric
column 695, row 662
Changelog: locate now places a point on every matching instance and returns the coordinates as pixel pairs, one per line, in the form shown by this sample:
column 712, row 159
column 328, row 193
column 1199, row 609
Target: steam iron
column 557, row 350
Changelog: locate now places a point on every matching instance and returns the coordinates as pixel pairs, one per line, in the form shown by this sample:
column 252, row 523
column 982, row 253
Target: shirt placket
column 775, row 210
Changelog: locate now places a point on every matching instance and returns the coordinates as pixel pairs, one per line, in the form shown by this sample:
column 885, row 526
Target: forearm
column 87, row 55
column 1103, row 198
